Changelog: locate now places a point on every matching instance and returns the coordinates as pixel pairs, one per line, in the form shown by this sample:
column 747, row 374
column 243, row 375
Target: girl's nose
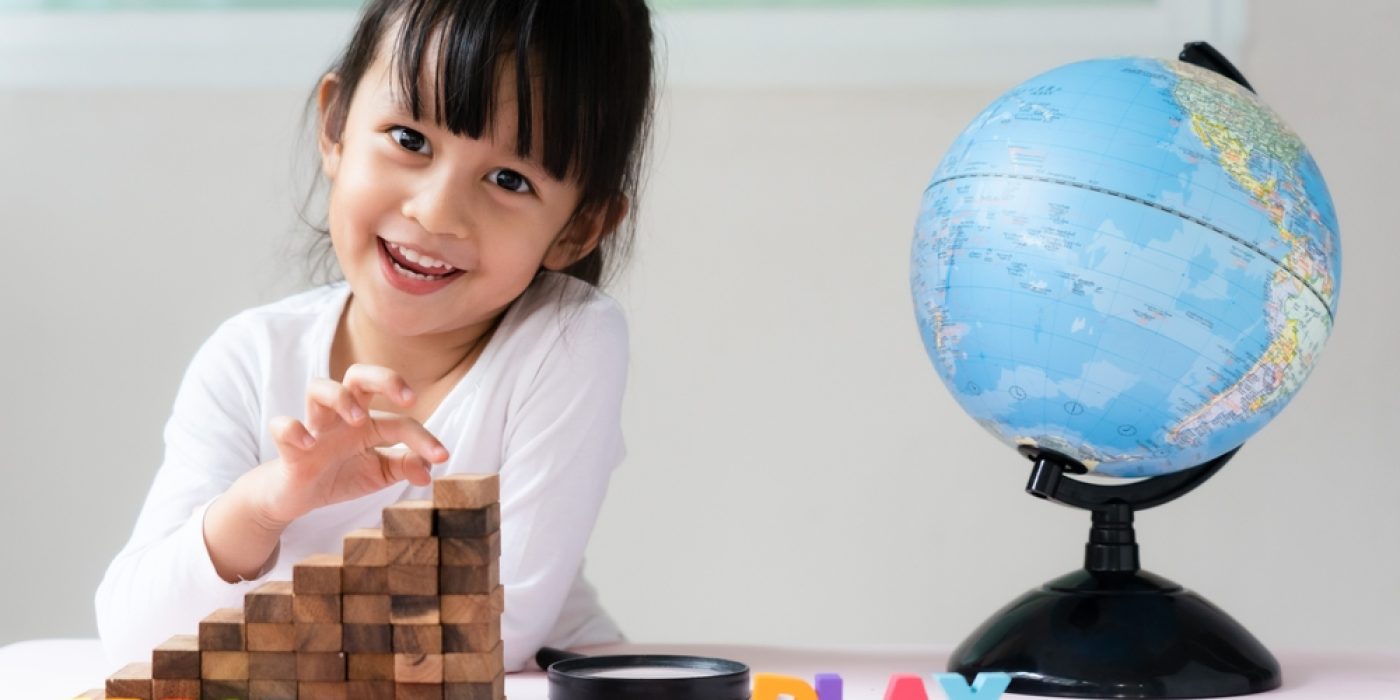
column 440, row 203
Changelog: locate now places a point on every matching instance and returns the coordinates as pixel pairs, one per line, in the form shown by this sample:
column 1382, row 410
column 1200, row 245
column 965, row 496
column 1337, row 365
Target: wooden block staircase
column 408, row 611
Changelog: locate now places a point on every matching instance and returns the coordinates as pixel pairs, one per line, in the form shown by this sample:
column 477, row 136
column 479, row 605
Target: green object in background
column 178, row 5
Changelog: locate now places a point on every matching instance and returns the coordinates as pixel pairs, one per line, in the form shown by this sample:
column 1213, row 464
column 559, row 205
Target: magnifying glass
column 637, row 676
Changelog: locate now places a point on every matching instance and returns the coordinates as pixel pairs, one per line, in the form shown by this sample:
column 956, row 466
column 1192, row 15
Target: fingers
column 375, row 379
column 328, row 402
column 401, row 464
column 392, row 429
column 290, row 435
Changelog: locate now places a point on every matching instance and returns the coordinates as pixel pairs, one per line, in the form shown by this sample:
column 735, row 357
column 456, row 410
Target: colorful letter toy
column 773, row 686
column 986, row 686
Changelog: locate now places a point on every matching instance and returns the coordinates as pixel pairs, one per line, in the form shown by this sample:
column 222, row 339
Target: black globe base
column 1111, row 630
column 1117, row 635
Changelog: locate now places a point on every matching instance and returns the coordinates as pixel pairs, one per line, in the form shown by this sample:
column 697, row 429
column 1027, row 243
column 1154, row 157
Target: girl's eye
column 510, row 180
column 411, row 140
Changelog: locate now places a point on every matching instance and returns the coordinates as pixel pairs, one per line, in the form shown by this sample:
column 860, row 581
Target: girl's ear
column 328, row 141
column 585, row 234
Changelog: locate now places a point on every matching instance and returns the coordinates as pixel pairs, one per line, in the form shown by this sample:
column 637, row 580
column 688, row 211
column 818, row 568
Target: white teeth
column 414, row 275
column 423, row 260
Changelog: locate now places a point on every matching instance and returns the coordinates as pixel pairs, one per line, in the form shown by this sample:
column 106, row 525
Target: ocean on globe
column 1129, row 261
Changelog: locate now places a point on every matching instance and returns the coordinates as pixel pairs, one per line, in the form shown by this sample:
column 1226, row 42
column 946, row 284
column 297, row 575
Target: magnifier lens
column 647, row 677
column 652, row 672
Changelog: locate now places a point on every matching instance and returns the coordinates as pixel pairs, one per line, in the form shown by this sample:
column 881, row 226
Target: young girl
column 481, row 156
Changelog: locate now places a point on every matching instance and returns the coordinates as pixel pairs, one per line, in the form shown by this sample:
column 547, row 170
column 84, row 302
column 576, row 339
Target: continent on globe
column 1131, row 261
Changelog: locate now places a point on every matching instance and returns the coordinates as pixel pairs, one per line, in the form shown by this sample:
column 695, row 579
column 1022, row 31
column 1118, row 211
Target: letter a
column 986, row 686
column 772, row 686
column 904, row 686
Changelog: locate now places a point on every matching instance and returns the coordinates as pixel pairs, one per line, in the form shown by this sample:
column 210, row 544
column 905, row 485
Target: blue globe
column 1130, row 261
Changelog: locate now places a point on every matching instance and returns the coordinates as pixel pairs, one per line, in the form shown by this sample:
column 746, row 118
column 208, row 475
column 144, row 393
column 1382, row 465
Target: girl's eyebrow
column 390, row 102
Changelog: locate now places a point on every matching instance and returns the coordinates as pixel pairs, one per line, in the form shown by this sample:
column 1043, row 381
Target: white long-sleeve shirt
column 541, row 407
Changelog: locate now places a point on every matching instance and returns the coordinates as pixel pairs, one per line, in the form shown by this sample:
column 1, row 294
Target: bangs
column 562, row 55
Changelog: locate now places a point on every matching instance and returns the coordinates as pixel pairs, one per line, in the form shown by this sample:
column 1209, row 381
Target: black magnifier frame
column 576, row 677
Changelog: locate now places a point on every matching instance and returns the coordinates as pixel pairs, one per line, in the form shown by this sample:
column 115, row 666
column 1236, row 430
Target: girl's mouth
column 409, row 277
column 411, row 269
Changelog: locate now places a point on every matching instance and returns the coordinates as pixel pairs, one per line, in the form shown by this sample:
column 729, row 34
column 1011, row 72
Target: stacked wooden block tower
column 410, row 611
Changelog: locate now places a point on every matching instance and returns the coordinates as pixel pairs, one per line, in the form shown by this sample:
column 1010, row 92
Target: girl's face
column 472, row 204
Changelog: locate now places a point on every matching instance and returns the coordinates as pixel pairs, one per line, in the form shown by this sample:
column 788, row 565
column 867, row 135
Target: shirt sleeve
column 163, row 582
column 562, row 441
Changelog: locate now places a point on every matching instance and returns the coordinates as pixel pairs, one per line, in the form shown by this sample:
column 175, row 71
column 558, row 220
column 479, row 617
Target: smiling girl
column 482, row 156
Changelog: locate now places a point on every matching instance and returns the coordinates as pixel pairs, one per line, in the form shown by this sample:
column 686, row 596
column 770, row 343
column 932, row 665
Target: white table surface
column 58, row 669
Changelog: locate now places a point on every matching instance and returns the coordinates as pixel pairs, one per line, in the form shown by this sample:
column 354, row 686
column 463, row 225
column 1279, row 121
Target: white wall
column 797, row 473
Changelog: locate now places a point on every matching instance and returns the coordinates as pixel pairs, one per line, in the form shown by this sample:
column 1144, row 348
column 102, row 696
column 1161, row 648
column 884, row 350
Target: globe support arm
column 1049, row 480
column 1112, row 545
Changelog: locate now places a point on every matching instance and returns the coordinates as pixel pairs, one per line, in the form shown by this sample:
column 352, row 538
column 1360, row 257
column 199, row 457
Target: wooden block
column 278, row 666
column 417, row 639
column 132, row 681
column 473, row 608
column 319, row 637
column 365, row 609
column 222, row 630
column 91, row 695
column 321, row 690
column 177, row 657
column 223, row 665
column 364, row 579
column 365, row 548
column 369, row 690
column 468, row 580
column 370, row 667
column 417, row 691
column 494, row 690
column 413, row 580
column 368, row 639
column 478, row 522
column 414, row 610
column 175, row 689
column 415, row 551
column 321, row 666
column 417, row 668
column 466, row 490
column 318, row 574
column 272, row 690
column 271, row 636
column 470, row 551
column 478, row 637
column 270, row 602
column 316, row 608
column 473, row 667
column 409, row 519
column 231, row 690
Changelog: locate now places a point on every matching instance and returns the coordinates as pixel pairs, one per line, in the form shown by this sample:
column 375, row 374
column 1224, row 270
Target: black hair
column 593, row 65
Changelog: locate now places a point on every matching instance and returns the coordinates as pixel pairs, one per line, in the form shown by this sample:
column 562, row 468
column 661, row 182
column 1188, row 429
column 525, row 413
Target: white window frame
column 949, row 46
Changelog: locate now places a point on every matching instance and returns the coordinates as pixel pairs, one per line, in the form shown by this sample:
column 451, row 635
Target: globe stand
column 1111, row 630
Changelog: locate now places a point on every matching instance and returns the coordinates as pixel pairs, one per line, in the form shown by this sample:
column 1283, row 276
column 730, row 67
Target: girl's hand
column 335, row 457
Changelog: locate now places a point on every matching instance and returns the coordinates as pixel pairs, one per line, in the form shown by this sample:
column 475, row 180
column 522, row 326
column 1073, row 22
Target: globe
column 1132, row 262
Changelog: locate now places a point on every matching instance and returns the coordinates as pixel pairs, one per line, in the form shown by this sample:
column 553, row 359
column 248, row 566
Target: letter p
column 772, row 686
